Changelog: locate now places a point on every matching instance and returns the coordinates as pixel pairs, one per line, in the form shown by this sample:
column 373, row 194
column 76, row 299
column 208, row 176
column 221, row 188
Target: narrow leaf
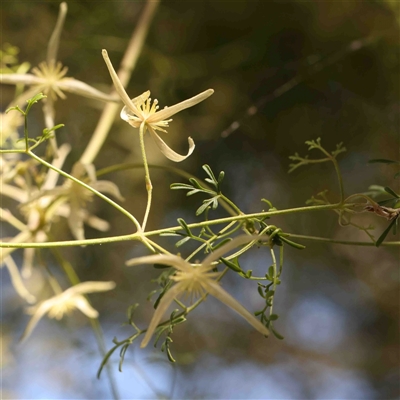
column 385, row 233
column 392, row 192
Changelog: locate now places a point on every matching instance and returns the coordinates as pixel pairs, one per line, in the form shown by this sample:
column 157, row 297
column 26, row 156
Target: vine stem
column 149, row 186
column 143, row 235
column 275, row 278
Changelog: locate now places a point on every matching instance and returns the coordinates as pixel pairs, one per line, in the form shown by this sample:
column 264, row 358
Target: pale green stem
column 338, row 173
column 97, row 193
column 128, row 64
column 149, row 186
column 141, row 235
column 275, row 278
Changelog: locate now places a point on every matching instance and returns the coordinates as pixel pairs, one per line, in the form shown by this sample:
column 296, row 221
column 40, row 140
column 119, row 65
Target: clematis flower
column 50, row 78
column 196, row 280
column 77, row 197
column 66, row 301
column 141, row 112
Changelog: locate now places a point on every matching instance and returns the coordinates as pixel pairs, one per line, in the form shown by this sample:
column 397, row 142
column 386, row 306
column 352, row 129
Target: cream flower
column 198, row 281
column 140, row 112
column 49, row 76
column 66, row 301
column 77, row 198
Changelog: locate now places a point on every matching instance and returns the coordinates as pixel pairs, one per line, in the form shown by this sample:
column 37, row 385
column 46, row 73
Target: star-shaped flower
column 141, row 113
column 66, row 301
column 196, row 280
column 49, row 77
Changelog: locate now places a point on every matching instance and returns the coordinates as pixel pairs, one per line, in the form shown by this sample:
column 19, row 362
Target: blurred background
column 283, row 73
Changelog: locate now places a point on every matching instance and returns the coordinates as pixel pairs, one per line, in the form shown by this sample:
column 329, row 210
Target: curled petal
column 171, row 260
column 216, row 290
column 108, row 187
column 167, row 151
column 77, row 87
column 169, row 111
column 165, row 302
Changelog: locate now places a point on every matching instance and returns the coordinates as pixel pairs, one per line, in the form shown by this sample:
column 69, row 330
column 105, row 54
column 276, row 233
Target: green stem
column 275, row 279
column 232, row 204
column 345, row 242
column 141, row 235
column 338, row 173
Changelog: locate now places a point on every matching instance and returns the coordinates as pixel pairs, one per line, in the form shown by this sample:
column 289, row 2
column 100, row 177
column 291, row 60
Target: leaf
column 34, row 100
column 276, row 334
column 293, row 244
column 269, row 294
column 273, row 317
column 177, row 186
column 210, row 174
column 392, row 192
column 221, row 243
column 184, row 225
column 213, row 202
column 196, row 184
column 182, row 241
column 385, row 233
column 232, row 265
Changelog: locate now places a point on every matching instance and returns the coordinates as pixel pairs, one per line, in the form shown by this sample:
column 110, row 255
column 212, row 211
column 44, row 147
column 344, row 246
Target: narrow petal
column 167, row 151
column 171, row 260
column 54, row 41
column 84, row 306
column 89, row 287
column 75, row 222
column 40, row 311
column 17, row 282
column 52, row 176
column 117, row 83
column 165, row 302
column 169, row 111
column 96, row 223
column 108, row 187
column 26, row 79
column 237, row 241
column 78, row 87
column 27, row 263
column 216, row 290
